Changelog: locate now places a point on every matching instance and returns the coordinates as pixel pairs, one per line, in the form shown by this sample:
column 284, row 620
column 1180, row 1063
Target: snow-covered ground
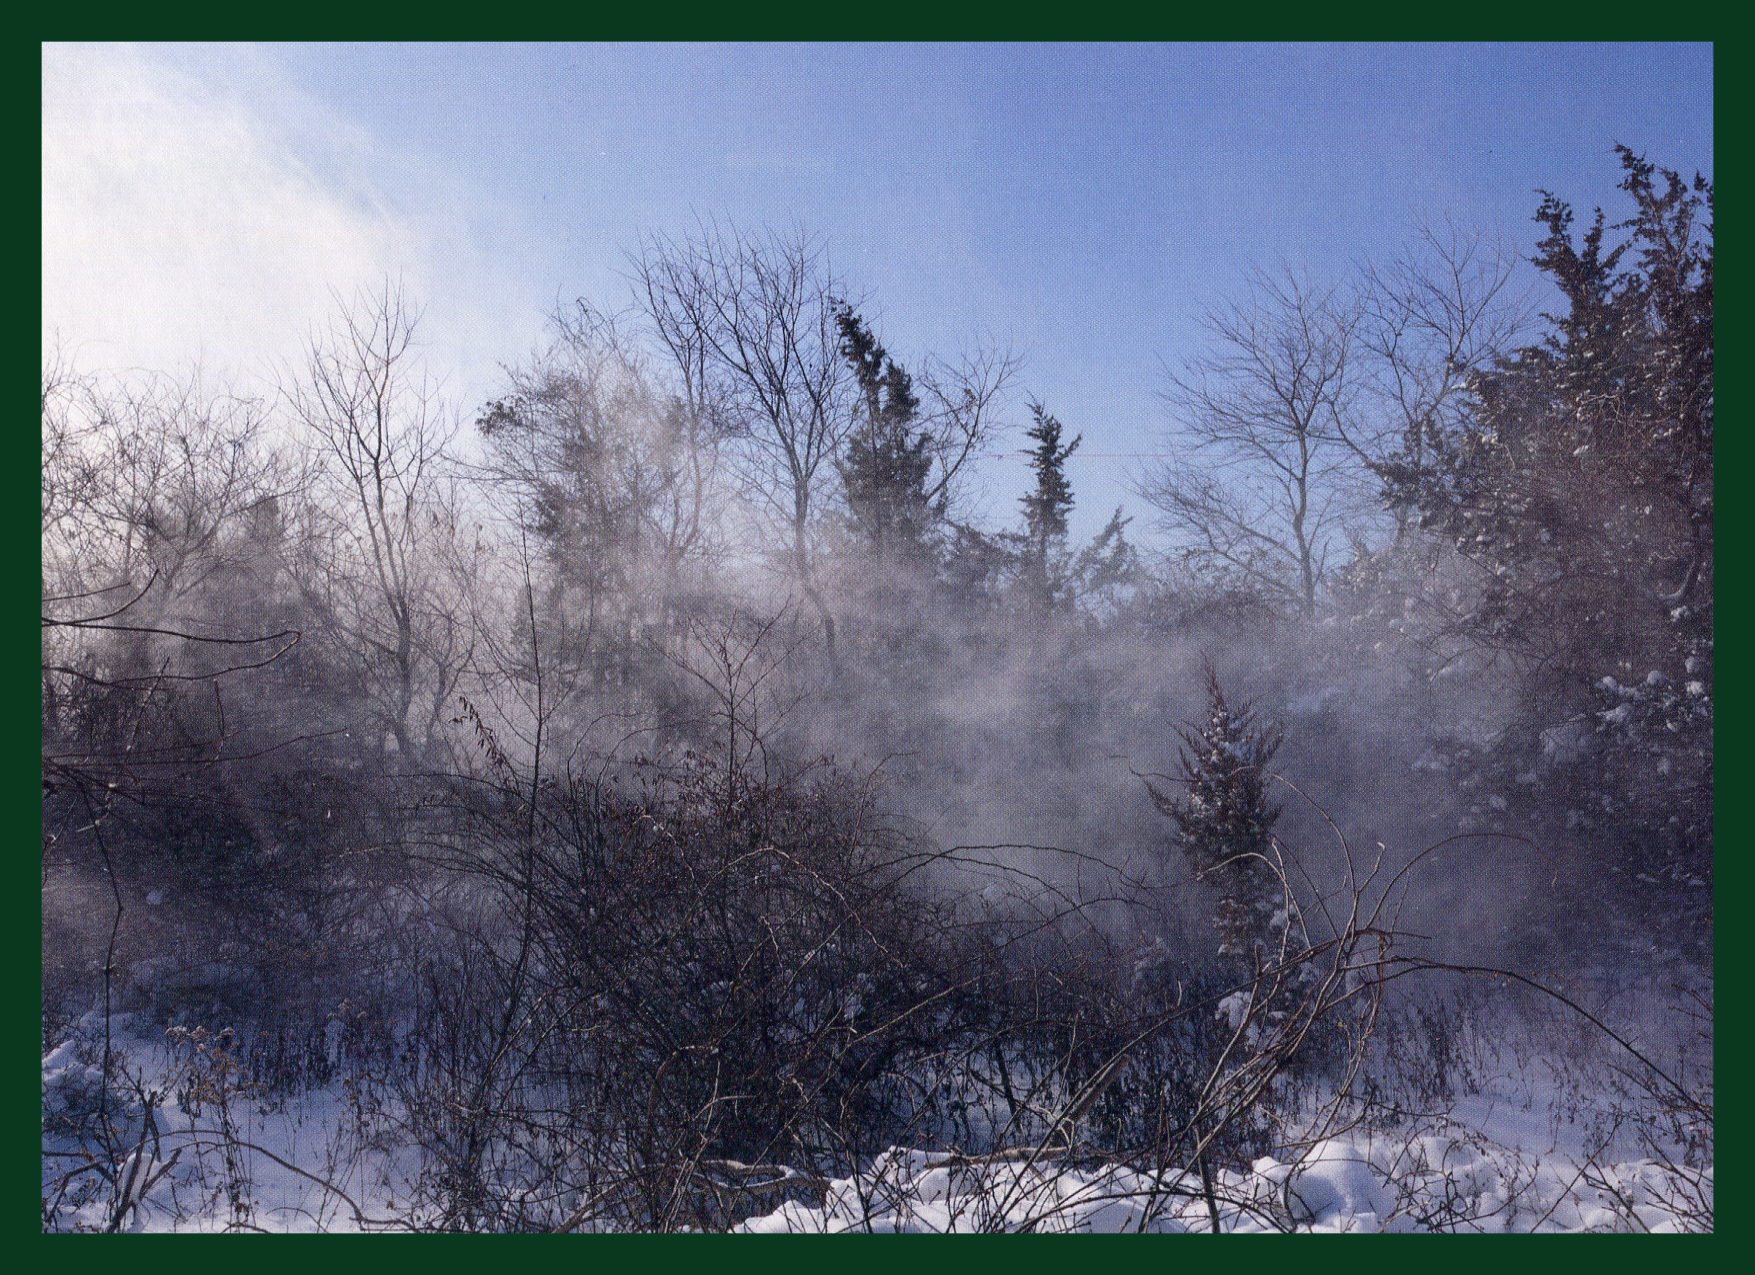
column 1536, row 1147
column 1453, row 1180
column 1530, row 1148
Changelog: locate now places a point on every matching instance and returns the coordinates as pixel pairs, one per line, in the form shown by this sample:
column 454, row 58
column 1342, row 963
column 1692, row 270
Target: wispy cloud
column 208, row 220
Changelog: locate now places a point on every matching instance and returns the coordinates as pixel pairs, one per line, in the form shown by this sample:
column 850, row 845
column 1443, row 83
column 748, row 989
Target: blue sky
column 1080, row 204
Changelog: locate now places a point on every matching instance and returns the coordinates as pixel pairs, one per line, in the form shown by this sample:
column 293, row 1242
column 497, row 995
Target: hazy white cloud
column 186, row 222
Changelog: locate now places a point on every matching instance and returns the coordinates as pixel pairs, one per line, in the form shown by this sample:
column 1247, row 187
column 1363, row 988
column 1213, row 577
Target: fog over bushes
column 668, row 768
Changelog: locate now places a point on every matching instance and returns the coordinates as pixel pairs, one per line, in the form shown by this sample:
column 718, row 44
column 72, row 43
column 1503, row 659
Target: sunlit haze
column 1082, row 205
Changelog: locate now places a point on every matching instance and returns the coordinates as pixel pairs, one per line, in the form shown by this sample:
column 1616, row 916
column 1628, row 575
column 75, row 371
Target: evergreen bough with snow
column 1224, row 824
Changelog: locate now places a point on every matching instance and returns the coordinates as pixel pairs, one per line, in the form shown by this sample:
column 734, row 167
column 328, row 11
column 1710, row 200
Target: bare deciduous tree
column 387, row 577
column 158, row 496
column 1444, row 307
column 1264, row 480
column 617, row 479
column 750, row 324
column 959, row 398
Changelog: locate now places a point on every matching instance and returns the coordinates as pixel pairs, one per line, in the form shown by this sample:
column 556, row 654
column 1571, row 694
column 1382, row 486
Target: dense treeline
column 674, row 769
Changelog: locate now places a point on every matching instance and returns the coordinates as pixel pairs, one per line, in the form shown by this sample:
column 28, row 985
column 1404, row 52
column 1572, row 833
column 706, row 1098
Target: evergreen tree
column 1106, row 568
column 887, row 461
column 1224, row 824
column 1580, row 481
column 1045, row 511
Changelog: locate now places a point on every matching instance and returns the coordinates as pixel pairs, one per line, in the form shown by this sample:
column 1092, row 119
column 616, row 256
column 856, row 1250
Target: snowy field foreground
column 1427, row 1182
column 178, row 1143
